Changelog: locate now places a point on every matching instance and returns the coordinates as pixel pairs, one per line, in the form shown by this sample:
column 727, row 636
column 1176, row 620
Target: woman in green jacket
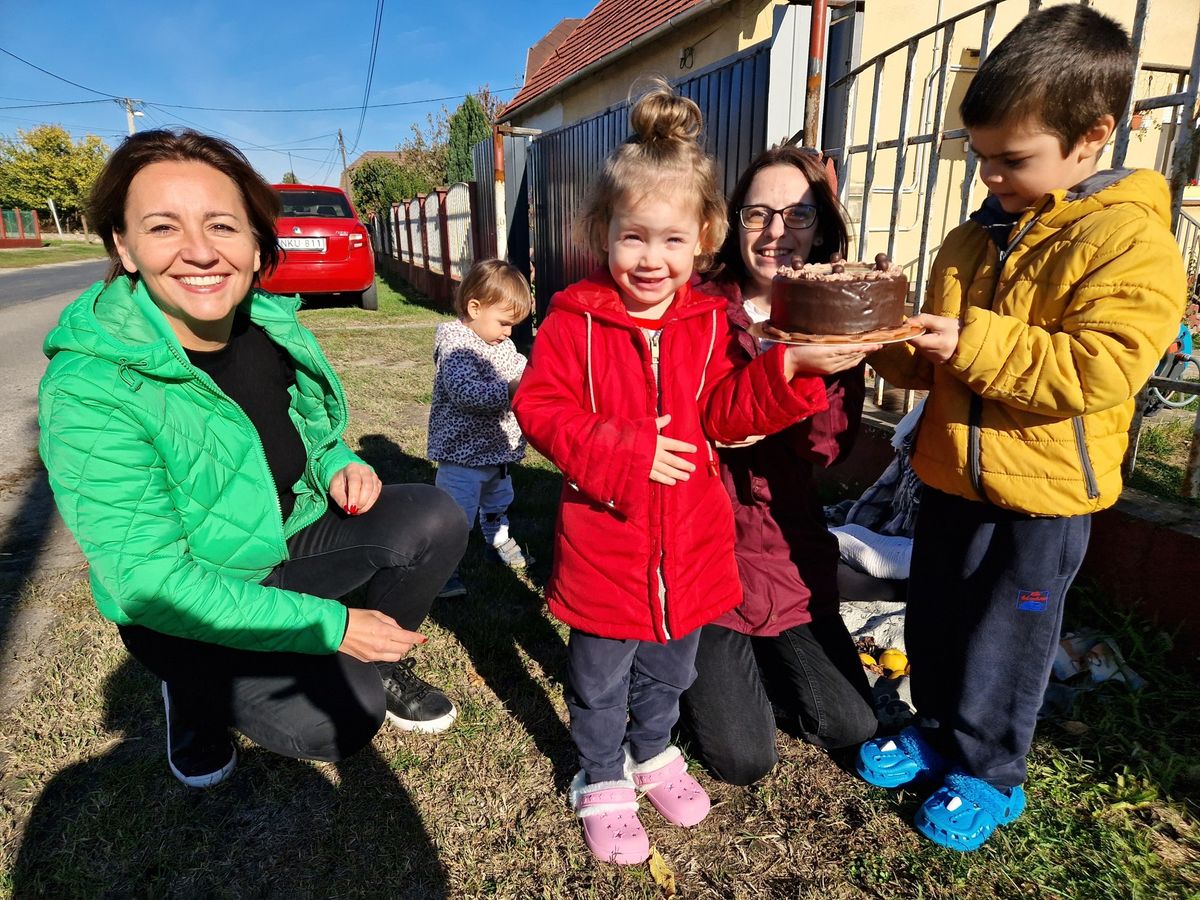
column 192, row 430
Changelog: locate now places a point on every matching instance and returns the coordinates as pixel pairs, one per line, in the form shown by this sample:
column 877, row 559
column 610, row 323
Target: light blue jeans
column 483, row 491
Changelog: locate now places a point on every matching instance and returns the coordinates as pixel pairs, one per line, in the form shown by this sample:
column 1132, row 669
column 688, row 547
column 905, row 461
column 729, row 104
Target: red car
column 326, row 249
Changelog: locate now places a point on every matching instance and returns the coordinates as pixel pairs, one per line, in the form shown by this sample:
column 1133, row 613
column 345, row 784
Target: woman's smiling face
column 765, row 251
column 188, row 236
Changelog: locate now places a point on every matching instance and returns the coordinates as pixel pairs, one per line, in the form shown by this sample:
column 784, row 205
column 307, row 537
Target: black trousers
column 985, row 608
column 308, row 706
column 810, row 673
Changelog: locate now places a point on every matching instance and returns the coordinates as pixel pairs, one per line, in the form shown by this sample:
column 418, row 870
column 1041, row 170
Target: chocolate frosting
column 839, row 298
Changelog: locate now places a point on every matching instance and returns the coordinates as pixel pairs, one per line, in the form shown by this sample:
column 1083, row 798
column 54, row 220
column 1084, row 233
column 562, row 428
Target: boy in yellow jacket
column 1046, row 313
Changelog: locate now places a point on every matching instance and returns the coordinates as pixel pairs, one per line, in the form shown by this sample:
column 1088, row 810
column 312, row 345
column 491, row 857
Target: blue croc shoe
column 964, row 812
column 893, row 762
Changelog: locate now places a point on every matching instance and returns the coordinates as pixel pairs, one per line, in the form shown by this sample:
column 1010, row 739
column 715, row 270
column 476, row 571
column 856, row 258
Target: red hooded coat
column 588, row 402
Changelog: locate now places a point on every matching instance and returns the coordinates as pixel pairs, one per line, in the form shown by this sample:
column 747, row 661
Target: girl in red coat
column 633, row 375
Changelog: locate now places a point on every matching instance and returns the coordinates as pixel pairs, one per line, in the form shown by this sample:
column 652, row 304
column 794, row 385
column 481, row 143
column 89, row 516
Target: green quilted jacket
column 164, row 482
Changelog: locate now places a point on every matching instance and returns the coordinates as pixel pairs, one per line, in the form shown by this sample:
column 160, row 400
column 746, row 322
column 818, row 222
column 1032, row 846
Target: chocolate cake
column 838, row 298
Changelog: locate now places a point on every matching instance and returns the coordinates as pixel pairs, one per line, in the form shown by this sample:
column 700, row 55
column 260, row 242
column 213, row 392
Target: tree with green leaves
column 377, row 183
column 289, row 177
column 44, row 163
column 468, row 126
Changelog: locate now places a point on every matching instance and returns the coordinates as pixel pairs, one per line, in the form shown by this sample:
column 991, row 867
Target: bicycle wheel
column 1185, row 369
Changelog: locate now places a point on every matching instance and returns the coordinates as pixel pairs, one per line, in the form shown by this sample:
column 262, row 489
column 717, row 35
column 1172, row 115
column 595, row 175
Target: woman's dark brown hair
column 831, row 218
column 106, row 205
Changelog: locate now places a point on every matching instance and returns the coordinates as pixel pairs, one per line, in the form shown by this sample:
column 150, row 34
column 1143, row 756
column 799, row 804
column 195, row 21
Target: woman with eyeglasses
column 784, row 653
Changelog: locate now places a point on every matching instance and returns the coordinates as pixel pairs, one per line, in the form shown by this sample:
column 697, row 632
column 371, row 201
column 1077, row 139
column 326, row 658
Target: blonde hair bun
column 662, row 115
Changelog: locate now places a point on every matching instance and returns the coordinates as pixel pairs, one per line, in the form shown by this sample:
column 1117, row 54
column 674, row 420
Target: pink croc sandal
column 670, row 789
column 611, row 828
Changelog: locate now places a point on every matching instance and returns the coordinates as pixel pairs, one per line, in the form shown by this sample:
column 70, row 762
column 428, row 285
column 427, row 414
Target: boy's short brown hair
column 491, row 282
column 1063, row 67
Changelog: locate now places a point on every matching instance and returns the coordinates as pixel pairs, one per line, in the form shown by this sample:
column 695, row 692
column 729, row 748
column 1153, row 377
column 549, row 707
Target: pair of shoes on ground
column 962, row 813
column 202, row 755
column 608, row 809
column 508, row 554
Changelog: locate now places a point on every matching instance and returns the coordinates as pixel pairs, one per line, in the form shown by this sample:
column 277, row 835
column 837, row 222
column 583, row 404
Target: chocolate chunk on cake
column 838, row 298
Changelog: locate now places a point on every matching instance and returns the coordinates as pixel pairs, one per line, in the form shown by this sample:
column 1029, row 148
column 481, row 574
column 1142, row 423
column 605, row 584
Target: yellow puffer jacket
column 1060, row 330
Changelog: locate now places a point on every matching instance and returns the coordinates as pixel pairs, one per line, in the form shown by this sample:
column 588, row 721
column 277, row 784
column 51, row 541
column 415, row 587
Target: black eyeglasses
column 797, row 217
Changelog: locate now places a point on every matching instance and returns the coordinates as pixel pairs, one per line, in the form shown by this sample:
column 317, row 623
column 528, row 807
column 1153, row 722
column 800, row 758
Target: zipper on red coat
column 654, row 342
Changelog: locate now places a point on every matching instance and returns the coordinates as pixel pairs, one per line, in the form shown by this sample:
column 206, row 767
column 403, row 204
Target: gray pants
column 622, row 692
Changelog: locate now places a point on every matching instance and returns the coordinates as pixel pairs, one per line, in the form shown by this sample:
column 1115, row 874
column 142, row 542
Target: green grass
column 51, row 252
column 87, row 806
column 1162, row 456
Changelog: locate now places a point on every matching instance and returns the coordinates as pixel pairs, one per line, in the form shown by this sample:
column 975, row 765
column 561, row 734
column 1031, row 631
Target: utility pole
column 130, row 112
column 342, row 147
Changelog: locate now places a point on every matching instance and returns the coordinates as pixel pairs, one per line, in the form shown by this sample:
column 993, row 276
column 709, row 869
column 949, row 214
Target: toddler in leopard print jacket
column 473, row 435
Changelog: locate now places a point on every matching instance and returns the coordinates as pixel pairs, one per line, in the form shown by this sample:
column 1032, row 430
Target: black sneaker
column 413, row 704
column 198, row 756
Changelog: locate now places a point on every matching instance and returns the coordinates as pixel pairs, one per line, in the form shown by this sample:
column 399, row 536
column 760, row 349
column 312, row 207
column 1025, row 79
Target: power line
column 241, row 141
column 41, row 104
column 362, row 116
column 82, row 87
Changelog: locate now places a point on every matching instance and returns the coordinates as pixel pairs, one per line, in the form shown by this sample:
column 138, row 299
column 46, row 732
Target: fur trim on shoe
column 601, row 797
column 657, row 761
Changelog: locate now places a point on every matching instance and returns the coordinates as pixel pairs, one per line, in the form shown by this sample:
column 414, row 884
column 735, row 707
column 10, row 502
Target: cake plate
column 899, row 334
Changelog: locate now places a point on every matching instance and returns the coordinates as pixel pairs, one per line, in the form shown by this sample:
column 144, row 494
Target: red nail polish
column 354, row 510
column 346, row 510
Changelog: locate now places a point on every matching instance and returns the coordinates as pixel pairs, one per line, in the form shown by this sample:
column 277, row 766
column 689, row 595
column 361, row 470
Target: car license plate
column 316, row 244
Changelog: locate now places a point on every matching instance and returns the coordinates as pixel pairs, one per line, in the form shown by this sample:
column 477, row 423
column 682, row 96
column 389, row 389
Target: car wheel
column 369, row 298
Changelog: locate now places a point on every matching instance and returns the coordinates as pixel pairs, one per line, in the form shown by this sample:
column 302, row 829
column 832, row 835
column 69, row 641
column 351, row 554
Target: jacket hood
column 597, row 295
column 1141, row 187
column 120, row 323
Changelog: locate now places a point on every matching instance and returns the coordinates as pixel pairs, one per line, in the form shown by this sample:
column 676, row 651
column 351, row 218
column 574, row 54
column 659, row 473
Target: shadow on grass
column 119, row 824
column 502, row 616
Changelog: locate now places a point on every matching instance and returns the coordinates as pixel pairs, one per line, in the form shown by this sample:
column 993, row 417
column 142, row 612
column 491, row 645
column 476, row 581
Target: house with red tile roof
column 600, row 58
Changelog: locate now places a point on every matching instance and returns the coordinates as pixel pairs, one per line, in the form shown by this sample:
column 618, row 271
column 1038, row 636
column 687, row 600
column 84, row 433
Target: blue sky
column 236, row 53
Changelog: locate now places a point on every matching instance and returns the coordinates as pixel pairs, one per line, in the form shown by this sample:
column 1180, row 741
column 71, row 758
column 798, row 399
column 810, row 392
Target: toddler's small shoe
column 963, row 812
column 611, row 828
column 665, row 781
column 454, row 587
column 510, row 554
column 893, row 762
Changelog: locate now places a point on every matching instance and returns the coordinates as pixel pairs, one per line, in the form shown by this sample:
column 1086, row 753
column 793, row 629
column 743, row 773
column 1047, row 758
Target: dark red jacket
column 588, row 402
column 786, row 556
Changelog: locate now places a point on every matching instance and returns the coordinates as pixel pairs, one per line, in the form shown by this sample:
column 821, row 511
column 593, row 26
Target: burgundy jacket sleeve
column 607, row 458
column 754, row 398
column 827, row 437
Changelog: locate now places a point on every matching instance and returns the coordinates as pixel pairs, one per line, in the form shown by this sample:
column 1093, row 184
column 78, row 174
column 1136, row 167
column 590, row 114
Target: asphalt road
column 30, row 303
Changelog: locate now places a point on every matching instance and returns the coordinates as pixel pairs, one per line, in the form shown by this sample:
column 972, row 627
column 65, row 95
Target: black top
column 255, row 373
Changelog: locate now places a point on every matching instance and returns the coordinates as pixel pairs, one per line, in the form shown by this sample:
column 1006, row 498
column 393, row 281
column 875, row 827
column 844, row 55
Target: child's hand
column 824, row 359
column 513, row 385
column 669, row 468
column 940, row 339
